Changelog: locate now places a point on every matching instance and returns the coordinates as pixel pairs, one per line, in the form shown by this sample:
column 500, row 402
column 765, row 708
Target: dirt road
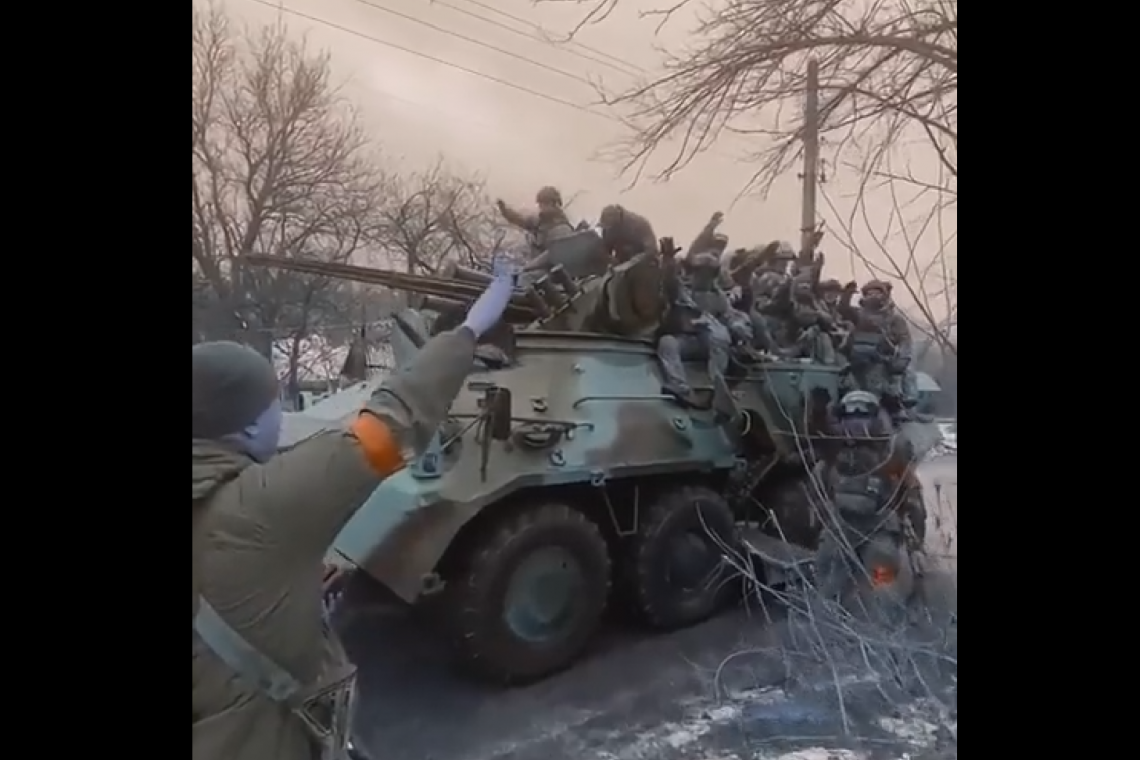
column 638, row 697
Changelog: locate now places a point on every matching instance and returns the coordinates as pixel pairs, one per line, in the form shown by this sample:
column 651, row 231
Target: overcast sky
column 419, row 108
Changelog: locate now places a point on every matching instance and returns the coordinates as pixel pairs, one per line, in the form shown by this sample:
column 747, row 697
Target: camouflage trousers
column 711, row 342
column 763, row 332
column 740, row 328
column 815, row 344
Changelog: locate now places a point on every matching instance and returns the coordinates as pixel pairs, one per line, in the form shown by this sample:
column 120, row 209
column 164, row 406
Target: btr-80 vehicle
column 565, row 481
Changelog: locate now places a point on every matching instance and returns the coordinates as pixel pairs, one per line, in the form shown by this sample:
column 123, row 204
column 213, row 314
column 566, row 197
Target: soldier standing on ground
column 626, row 234
column 270, row 677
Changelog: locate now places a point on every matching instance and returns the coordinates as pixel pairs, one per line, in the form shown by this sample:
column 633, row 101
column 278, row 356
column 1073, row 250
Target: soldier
column 710, row 298
column 807, row 325
column 626, row 234
column 771, row 292
column 690, row 332
column 856, row 478
column 270, row 679
column 879, row 346
column 831, row 295
column 548, row 223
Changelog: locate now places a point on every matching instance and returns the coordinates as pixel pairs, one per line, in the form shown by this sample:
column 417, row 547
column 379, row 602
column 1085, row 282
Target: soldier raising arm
column 270, row 678
column 706, row 238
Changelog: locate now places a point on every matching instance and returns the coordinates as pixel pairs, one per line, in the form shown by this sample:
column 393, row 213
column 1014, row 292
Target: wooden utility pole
column 810, row 174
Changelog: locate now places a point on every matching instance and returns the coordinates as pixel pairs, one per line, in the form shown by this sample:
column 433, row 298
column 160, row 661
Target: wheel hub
column 542, row 595
column 691, row 561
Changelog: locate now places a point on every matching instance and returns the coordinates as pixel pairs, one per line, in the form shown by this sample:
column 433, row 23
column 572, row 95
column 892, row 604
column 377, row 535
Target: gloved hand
column 488, row 309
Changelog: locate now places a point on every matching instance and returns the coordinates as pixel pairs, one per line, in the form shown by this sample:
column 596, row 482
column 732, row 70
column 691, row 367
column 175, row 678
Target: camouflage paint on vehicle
column 592, row 410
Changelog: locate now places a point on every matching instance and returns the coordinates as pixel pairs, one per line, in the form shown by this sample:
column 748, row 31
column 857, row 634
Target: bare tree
column 888, row 72
column 915, row 246
column 436, row 215
column 280, row 166
column 888, row 75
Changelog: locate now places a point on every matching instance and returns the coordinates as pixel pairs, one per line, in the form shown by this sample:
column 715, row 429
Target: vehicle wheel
column 676, row 576
column 529, row 596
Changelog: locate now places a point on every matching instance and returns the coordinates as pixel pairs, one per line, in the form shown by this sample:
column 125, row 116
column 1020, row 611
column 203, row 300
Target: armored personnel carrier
column 565, row 481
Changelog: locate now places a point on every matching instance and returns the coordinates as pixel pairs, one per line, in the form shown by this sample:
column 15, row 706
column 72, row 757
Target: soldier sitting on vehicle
column 548, row 222
column 878, row 348
column 689, row 332
column 626, row 234
column 805, row 324
column 831, row 294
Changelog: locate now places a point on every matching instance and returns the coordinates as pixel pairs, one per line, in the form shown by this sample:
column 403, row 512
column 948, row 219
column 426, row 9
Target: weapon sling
column 325, row 710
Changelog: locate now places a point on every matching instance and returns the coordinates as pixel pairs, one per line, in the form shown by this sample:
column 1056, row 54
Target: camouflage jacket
column 260, row 560
column 541, row 226
column 880, row 334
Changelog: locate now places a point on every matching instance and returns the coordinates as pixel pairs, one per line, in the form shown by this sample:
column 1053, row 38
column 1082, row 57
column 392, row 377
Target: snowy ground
column 716, row 692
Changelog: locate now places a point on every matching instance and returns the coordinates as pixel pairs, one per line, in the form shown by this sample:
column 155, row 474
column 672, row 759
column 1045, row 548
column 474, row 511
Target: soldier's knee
column 719, row 339
column 668, row 345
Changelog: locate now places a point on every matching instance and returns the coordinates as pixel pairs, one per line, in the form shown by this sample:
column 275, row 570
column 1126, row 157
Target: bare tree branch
column 888, row 72
column 280, row 166
column 436, row 215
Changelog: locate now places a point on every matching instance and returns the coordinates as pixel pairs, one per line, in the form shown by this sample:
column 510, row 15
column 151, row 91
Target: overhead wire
column 434, row 59
column 537, row 35
column 473, row 41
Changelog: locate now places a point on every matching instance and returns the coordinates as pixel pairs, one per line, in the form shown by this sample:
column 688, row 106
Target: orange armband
column 380, row 448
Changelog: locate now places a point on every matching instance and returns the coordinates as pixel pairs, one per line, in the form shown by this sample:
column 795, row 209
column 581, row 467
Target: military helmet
column 876, row 285
column 859, row 402
column 830, row 286
column 549, row 194
column 611, row 215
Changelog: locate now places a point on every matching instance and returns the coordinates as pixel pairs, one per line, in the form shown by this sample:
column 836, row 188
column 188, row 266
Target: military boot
column 686, row 397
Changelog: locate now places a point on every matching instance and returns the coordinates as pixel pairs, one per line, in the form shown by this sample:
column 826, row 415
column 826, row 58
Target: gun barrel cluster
column 533, row 301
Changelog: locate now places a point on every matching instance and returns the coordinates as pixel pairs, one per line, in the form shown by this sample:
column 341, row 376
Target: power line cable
column 544, row 38
column 434, row 59
column 532, row 36
column 473, row 41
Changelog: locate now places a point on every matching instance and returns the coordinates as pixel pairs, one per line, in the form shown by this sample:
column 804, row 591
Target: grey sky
column 419, row 108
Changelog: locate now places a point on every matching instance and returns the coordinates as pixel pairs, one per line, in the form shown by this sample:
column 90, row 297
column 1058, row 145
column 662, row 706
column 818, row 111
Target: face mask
column 260, row 440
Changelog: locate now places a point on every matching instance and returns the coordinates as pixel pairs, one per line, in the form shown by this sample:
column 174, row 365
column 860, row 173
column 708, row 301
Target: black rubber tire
column 655, row 602
column 473, row 600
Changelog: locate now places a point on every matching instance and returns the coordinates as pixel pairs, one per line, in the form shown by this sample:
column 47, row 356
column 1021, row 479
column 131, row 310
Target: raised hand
column 488, row 309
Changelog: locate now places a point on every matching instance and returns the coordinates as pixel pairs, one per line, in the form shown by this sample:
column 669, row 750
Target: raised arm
column 704, row 239
column 528, row 222
column 302, row 498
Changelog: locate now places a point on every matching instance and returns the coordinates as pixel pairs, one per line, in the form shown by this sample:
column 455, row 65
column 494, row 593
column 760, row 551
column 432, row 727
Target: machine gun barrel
column 449, row 290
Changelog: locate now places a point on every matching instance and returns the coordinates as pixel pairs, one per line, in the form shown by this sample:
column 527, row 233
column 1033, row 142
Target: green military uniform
column 261, row 573
column 549, row 221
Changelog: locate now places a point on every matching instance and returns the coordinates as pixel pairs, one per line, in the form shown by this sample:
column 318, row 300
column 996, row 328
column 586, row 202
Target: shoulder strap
column 242, row 657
